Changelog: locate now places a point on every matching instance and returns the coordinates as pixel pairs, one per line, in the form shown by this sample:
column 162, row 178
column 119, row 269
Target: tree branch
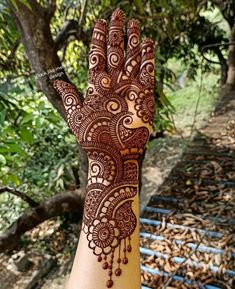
column 13, row 50
column 56, row 206
column 19, row 194
column 34, row 30
column 82, row 16
column 68, row 28
column 8, row 63
column 227, row 9
column 35, row 34
column 71, row 28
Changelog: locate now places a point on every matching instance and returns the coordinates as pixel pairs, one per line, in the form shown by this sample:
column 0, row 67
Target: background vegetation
column 38, row 155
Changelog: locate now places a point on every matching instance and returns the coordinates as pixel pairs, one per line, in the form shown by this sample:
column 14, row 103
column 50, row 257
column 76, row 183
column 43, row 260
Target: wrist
column 110, row 170
column 110, row 220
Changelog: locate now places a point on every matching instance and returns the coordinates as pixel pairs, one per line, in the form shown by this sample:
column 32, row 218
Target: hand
column 119, row 105
column 113, row 125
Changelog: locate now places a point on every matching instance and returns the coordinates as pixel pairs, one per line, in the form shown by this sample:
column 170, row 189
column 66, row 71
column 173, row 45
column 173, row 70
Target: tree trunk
column 223, row 65
column 59, row 205
column 227, row 9
column 231, row 61
column 34, row 30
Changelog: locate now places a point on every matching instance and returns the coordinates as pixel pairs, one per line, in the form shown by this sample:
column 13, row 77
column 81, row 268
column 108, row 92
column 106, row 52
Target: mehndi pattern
column 113, row 125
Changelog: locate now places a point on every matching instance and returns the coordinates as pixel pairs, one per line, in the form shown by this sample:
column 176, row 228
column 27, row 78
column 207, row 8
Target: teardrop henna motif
column 113, row 126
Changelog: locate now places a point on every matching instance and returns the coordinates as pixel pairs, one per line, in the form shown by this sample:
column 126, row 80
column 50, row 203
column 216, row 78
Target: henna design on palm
column 113, row 125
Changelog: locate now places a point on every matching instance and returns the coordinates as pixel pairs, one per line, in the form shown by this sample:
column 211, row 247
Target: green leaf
column 106, row 3
column 14, row 179
column 139, row 5
column 38, row 122
column 14, row 4
column 15, row 148
column 27, row 118
column 41, row 105
column 3, row 116
column 2, row 160
column 54, row 118
column 26, row 135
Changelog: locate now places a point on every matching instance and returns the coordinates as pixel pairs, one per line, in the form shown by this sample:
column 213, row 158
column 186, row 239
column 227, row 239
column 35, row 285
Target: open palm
column 113, row 125
column 119, row 104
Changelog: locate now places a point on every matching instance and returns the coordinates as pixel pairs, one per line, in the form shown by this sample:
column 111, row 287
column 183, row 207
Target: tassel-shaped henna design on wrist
column 113, row 125
column 111, row 228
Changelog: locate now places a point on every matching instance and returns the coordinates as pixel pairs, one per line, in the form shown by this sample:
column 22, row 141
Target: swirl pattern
column 113, row 125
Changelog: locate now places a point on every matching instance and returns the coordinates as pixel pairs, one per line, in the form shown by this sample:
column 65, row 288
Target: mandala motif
column 103, row 236
column 116, row 31
column 75, row 119
column 115, row 37
column 145, row 107
column 113, row 125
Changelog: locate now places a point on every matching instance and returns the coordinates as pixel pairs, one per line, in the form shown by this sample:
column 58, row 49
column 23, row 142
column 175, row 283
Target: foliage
column 37, row 152
column 185, row 97
column 12, row 57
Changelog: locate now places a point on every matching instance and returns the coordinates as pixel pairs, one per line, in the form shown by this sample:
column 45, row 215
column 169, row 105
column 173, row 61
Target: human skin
column 113, row 125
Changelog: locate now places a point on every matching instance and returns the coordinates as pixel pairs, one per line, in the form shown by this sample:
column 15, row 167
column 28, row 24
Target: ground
column 59, row 240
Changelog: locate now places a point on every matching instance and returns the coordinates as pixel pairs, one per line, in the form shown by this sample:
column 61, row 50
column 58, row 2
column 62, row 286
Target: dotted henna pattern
column 113, row 125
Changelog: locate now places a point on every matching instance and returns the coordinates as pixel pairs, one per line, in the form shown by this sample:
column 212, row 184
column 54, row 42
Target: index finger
column 97, row 58
column 147, row 64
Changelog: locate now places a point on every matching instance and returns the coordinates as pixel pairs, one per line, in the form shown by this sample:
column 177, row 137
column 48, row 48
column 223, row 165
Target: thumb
column 69, row 94
column 72, row 104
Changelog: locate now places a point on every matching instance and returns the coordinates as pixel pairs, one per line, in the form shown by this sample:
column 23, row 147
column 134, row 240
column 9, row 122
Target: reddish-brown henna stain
column 113, row 125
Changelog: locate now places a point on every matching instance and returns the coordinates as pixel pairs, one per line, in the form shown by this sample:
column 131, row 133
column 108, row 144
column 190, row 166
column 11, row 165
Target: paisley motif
column 113, row 125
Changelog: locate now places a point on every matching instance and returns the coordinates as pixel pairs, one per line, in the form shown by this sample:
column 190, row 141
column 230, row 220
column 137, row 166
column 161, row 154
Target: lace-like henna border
column 113, row 125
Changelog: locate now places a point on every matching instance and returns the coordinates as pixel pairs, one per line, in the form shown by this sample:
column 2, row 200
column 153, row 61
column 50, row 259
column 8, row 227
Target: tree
column 44, row 40
column 227, row 9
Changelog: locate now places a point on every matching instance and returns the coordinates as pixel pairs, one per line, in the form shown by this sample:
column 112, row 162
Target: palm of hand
column 119, row 104
column 113, row 125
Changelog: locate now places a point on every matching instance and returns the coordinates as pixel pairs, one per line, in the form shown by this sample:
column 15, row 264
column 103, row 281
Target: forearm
column 112, row 125
column 108, row 249
column 88, row 273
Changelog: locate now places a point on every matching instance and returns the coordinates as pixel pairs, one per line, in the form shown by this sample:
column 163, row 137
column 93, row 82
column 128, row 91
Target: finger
column 97, row 58
column 72, row 104
column 115, row 51
column 132, row 64
column 69, row 94
column 147, row 64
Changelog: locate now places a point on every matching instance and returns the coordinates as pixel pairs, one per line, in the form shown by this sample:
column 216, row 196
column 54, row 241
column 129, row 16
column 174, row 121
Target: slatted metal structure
column 187, row 228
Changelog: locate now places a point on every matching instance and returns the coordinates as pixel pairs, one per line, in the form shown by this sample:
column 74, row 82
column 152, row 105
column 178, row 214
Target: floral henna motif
column 145, row 107
column 113, row 125
column 103, row 236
